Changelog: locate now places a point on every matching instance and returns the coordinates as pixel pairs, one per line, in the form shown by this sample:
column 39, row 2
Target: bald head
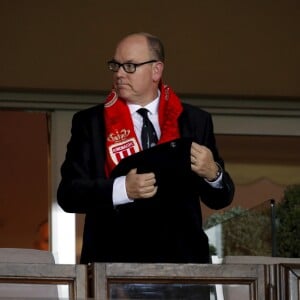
column 155, row 46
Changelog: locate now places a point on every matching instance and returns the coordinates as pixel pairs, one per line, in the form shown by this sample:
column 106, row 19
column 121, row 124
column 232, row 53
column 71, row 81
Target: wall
column 24, row 181
column 215, row 48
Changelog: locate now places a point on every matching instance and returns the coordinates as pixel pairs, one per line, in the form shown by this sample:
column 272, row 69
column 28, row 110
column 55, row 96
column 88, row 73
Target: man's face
column 141, row 86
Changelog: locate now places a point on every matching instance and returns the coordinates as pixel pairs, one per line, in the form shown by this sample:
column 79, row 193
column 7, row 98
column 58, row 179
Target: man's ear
column 157, row 70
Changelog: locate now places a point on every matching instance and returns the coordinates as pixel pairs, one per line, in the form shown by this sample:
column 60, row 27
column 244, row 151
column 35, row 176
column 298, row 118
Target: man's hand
column 202, row 162
column 140, row 185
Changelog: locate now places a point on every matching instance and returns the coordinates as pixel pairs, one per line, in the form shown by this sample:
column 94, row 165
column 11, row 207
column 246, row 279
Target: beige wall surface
column 247, row 48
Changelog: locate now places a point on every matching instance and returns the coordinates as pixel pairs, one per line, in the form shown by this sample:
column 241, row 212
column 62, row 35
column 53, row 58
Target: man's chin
column 123, row 92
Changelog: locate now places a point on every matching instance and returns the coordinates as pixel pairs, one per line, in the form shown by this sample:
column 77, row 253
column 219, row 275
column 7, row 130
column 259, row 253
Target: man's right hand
column 140, row 185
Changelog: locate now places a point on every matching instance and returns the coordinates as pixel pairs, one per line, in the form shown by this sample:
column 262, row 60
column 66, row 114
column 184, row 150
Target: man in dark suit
column 142, row 216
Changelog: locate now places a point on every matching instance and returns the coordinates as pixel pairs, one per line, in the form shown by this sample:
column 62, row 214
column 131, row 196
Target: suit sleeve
column 198, row 124
column 84, row 186
column 213, row 197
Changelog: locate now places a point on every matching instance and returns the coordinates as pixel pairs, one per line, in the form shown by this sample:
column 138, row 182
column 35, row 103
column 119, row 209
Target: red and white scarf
column 121, row 140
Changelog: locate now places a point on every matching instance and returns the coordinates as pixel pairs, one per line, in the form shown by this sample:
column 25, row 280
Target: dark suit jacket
column 165, row 229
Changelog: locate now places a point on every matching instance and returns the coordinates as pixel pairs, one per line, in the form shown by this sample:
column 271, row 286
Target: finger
column 132, row 171
column 196, row 147
column 150, row 193
column 195, row 152
column 193, row 159
column 148, row 178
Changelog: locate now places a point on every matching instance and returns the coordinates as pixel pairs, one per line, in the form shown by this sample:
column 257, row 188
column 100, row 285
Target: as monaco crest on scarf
column 121, row 146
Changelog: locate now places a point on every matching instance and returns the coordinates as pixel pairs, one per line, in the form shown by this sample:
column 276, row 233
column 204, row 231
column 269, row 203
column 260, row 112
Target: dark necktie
column 149, row 137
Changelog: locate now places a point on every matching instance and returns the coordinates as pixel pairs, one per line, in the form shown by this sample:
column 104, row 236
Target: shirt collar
column 152, row 106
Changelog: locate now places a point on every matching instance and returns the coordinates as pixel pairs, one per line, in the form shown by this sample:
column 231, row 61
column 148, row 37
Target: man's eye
column 129, row 66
